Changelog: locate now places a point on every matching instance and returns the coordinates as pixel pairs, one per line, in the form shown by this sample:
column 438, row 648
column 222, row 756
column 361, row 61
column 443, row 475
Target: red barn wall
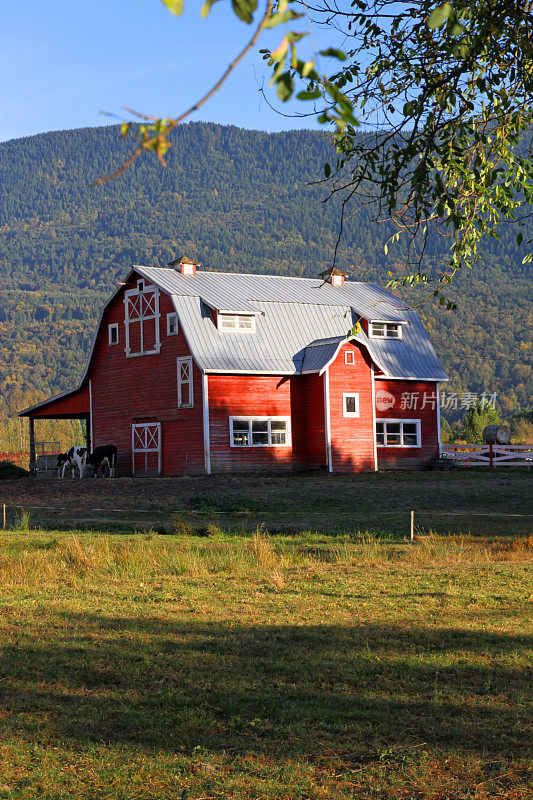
column 144, row 389
column 75, row 404
column 261, row 396
column 408, row 400
column 315, row 429
column 352, row 438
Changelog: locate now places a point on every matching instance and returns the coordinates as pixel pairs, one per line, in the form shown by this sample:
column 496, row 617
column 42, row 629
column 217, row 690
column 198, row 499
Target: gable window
column 141, row 320
column 113, row 333
column 398, row 433
column 185, row 383
column 350, row 404
column 259, row 431
column 385, row 330
column 172, row 324
column 349, row 357
column 242, row 323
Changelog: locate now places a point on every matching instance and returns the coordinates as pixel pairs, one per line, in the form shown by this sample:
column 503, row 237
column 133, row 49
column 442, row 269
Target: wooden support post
column 412, row 525
column 491, row 462
column 4, row 515
column 32, row 446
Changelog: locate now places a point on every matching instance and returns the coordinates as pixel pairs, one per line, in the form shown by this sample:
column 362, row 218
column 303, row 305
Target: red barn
column 194, row 371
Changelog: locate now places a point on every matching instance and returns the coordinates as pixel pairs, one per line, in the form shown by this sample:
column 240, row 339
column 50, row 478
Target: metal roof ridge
column 262, row 275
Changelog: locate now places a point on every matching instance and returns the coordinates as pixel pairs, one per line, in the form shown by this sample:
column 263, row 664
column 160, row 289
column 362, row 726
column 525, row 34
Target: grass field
column 486, row 502
column 305, row 667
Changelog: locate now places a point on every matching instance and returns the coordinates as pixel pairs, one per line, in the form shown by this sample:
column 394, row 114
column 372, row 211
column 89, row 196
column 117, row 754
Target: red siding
column 144, row 388
column 352, row 438
column 315, row 430
column 75, row 404
column 249, row 396
column 408, row 400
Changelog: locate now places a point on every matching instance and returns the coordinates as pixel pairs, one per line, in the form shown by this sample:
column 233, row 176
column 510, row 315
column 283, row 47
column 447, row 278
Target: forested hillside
column 234, row 200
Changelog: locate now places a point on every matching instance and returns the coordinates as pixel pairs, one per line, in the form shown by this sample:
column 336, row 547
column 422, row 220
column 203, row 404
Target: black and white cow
column 74, row 457
column 105, row 454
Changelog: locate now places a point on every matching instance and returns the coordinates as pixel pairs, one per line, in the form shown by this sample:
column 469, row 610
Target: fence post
column 4, row 515
column 412, row 525
column 490, row 456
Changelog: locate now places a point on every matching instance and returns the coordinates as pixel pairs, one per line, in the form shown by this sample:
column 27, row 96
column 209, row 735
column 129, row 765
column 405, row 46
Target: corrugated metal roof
column 293, row 315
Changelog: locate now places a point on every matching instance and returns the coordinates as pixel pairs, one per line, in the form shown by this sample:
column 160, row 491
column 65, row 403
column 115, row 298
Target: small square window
column 350, row 405
column 349, row 357
column 172, row 324
column 140, row 286
column 113, row 333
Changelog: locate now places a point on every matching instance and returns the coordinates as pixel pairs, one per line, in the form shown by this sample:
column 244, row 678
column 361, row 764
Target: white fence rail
column 489, row 455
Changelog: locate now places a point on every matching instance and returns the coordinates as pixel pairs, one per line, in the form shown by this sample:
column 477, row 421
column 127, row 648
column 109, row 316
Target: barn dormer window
column 141, row 320
column 385, row 330
column 239, row 323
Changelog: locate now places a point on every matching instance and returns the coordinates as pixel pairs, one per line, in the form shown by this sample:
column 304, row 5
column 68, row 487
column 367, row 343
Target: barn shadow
column 274, row 690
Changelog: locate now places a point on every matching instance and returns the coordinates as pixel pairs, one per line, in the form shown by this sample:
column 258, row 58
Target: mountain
column 234, row 200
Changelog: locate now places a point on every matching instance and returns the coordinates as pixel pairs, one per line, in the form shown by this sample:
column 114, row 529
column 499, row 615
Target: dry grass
column 40, row 557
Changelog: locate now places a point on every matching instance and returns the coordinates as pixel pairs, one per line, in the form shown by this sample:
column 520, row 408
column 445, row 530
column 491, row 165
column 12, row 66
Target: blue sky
column 64, row 61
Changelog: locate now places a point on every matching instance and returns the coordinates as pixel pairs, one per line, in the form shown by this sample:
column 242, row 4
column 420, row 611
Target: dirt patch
column 477, row 501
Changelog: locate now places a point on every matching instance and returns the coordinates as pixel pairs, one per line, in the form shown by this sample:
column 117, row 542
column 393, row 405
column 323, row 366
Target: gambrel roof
column 299, row 322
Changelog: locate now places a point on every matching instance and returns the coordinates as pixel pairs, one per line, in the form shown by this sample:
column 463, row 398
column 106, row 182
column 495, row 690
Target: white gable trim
column 409, row 378
column 334, row 356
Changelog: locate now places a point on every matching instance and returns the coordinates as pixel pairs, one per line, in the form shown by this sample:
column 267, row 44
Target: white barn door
column 146, row 448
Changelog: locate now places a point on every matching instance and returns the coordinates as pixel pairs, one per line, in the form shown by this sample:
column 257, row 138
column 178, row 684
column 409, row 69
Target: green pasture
column 263, row 667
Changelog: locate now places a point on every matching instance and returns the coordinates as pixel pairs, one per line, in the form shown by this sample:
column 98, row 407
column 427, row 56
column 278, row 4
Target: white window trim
column 373, row 335
column 249, row 420
column 170, row 317
column 221, row 316
column 133, row 293
column 401, row 421
column 110, row 328
column 350, row 413
column 349, row 361
column 190, row 382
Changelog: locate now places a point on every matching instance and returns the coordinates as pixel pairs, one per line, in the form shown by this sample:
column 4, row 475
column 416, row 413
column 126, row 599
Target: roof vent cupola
column 185, row 266
column 333, row 276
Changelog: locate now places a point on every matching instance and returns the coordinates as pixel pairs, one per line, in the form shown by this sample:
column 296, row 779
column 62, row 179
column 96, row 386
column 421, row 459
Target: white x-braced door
column 146, row 448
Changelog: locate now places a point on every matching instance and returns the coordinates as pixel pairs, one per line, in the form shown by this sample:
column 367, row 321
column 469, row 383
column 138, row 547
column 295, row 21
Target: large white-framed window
column 385, row 330
column 141, row 320
column 398, row 433
column 112, row 331
column 350, row 404
column 185, row 383
column 172, row 324
column 236, row 323
column 260, row 431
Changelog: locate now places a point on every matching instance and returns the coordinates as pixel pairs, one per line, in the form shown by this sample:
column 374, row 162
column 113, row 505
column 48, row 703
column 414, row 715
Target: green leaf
column 244, row 9
column 439, row 15
column 314, row 95
column 332, row 52
column 285, row 87
column 174, row 6
column 327, row 170
column 206, row 7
